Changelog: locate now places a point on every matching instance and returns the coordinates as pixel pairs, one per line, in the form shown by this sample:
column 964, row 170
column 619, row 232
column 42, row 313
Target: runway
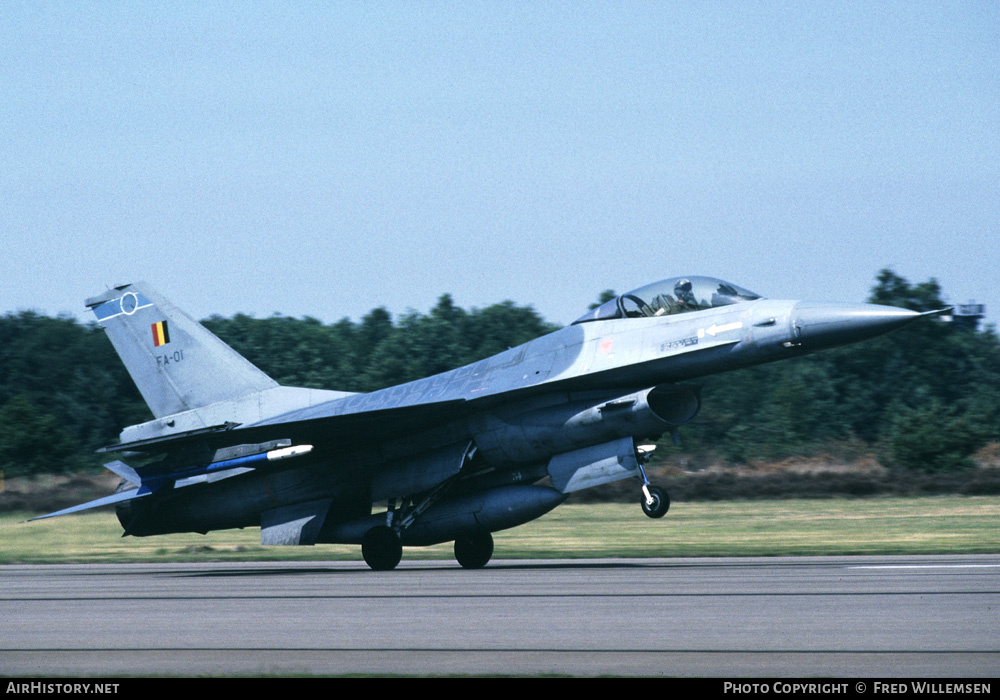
column 805, row 616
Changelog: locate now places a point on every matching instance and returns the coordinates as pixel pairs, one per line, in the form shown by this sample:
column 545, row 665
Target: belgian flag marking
column 161, row 336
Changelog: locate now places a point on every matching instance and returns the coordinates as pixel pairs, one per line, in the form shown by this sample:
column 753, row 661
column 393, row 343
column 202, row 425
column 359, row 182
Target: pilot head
column 683, row 291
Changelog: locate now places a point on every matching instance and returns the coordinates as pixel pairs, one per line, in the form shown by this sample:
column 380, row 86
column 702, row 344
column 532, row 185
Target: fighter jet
column 456, row 456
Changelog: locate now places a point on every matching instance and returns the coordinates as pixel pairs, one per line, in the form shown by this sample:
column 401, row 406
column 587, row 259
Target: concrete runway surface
column 920, row 616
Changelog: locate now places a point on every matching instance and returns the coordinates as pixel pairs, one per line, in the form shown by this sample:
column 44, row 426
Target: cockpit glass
column 671, row 296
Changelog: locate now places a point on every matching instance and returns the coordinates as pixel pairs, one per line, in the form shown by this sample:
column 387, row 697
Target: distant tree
column 931, row 438
column 379, row 351
column 32, row 442
column 501, row 326
column 893, row 290
column 70, row 373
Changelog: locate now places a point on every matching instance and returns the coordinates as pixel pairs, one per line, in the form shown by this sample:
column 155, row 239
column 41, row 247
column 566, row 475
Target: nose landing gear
column 655, row 501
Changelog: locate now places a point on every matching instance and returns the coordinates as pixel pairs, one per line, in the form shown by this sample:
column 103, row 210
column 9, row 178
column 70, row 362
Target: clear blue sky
column 326, row 158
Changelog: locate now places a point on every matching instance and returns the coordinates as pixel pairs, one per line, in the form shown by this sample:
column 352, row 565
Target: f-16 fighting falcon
column 456, row 456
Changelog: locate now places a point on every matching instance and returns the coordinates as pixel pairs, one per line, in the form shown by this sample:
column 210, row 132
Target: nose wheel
column 655, row 501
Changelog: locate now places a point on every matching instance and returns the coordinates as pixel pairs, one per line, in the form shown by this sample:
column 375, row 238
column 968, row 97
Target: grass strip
column 917, row 525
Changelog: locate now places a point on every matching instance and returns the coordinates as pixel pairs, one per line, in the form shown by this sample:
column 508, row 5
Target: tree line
column 923, row 398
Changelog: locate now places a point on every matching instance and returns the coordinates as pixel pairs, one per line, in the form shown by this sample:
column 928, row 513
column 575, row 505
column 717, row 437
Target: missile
column 269, row 456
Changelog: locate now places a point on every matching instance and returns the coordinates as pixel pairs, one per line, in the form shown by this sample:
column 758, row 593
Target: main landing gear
column 382, row 548
column 474, row 550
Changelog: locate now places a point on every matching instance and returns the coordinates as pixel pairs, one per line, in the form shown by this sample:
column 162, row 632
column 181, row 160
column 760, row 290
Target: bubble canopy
column 676, row 295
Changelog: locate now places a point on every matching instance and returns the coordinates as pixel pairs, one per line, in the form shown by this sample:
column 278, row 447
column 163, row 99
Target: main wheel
column 474, row 550
column 660, row 505
column 381, row 548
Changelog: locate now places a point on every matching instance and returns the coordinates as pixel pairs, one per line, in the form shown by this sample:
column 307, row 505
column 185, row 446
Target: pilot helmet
column 683, row 290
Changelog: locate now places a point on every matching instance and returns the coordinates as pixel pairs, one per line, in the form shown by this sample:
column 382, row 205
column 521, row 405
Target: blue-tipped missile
column 269, row 456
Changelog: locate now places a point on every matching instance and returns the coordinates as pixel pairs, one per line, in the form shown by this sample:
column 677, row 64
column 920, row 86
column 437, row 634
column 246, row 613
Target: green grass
column 925, row 525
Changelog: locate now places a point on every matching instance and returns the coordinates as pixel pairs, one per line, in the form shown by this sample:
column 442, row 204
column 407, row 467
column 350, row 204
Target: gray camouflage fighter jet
column 456, row 456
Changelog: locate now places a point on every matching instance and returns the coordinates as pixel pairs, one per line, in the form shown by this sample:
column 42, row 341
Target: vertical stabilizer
column 176, row 362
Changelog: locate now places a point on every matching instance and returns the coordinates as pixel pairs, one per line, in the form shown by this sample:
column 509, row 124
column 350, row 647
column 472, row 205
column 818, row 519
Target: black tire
column 474, row 549
column 660, row 505
column 381, row 548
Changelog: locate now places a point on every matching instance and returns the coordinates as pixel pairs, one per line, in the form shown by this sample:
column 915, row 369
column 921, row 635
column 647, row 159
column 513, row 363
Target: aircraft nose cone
column 824, row 325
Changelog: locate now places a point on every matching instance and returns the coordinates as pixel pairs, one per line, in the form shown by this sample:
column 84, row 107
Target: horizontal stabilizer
column 107, row 500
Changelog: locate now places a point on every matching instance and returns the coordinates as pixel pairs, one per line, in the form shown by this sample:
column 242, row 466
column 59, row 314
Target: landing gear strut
column 381, row 548
column 474, row 550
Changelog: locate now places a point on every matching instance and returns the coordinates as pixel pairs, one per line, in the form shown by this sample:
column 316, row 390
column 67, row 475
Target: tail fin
column 176, row 363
